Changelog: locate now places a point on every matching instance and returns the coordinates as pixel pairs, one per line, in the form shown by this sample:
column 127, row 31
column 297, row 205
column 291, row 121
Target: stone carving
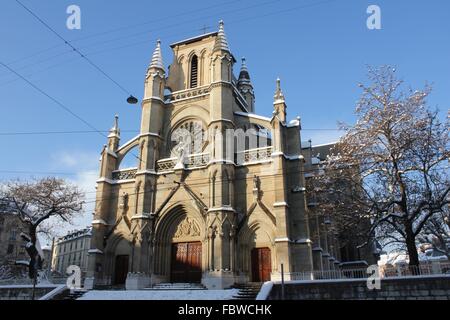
column 187, row 228
column 124, row 174
column 256, row 184
column 124, row 201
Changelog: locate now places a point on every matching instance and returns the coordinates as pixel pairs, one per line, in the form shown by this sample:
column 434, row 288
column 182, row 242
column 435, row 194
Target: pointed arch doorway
column 180, row 253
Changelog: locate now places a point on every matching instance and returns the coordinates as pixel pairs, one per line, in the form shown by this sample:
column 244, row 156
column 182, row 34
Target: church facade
column 217, row 195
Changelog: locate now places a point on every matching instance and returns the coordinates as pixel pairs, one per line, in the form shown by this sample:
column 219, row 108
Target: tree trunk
column 412, row 249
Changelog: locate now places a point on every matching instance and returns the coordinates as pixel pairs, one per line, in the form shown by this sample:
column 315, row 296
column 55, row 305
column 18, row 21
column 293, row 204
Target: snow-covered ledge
column 265, row 291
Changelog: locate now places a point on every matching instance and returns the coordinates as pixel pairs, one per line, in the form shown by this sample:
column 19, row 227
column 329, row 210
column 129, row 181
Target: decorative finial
column 157, row 61
column 115, row 131
column 221, row 40
column 116, row 121
column 279, row 93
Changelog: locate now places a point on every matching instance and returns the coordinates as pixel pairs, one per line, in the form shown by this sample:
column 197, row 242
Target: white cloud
column 84, row 169
column 75, row 159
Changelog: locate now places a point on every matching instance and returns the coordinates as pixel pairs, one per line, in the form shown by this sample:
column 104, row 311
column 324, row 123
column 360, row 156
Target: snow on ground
column 159, row 294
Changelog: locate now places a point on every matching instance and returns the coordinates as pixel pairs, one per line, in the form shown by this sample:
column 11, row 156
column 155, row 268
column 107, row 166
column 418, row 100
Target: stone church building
column 217, row 194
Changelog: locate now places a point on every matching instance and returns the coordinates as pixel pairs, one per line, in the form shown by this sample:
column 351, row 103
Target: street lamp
column 132, row 100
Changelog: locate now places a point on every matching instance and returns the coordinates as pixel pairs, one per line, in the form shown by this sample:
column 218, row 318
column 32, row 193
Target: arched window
column 194, row 71
column 188, row 138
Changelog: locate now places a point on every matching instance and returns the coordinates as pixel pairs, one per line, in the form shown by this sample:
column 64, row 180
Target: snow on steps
column 248, row 291
column 177, row 286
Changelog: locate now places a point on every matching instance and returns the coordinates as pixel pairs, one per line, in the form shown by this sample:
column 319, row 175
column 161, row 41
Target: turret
column 222, row 58
column 155, row 77
column 114, row 135
column 245, row 86
column 279, row 104
column 108, row 156
column 153, row 102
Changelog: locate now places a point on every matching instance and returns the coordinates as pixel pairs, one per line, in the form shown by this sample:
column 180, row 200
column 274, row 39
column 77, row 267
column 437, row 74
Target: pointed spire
column 157, row 61
column 279, row 93
column 115, row 131
column 244, row 76
column 221, row 40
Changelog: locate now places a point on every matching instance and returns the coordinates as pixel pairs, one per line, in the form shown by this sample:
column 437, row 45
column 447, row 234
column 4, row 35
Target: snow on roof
column 193, row 39
column 76, row 234
column 251, row 115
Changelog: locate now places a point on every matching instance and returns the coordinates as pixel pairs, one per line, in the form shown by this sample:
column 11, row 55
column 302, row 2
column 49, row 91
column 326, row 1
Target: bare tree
column 339, row 200
column 397, row 155
column 37, row 201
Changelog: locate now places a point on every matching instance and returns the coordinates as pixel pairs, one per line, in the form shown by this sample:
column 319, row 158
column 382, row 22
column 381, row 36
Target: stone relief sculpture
column 187, row 228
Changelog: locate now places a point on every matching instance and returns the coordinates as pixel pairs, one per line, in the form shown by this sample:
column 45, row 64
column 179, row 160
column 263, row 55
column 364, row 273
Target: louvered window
column 194, row 71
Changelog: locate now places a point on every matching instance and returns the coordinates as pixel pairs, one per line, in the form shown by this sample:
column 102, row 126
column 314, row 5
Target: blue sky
column 318, row 48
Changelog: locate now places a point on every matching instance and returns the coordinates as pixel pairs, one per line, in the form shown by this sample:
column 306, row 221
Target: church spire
column 279, row 96
column 221, row 40
column 157, row 61
column 245, row 86
column 244, row 76
column 279, row 103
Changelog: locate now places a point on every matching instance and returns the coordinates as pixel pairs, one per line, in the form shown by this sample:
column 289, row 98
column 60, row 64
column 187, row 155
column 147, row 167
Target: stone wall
column 407, row 288
column 23, row 292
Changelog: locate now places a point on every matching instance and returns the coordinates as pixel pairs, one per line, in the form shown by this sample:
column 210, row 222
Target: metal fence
column 427, row 269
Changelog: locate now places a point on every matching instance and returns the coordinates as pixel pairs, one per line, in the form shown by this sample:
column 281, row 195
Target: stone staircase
column 177, row 286
column 72, row 295
column 247, row 291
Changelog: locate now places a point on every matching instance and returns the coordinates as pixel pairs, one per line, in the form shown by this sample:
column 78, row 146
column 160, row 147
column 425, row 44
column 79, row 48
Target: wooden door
column 261, row 264
column 121, row 269
column 186, row 263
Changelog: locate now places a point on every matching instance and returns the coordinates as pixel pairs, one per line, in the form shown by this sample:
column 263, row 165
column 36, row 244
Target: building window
column 194, row 71
column 10, row 249
column 13, row 235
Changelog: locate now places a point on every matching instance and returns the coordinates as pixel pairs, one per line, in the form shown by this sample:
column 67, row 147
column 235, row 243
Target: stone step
column 177, row 286
column 74, row 295
column 247, row 291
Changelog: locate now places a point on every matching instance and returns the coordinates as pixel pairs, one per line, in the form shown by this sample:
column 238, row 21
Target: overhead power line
column 57, row 102
column 128, row 36
column 74, row 48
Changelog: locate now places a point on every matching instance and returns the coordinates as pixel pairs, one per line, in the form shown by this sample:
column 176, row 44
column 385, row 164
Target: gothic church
column 190, row 212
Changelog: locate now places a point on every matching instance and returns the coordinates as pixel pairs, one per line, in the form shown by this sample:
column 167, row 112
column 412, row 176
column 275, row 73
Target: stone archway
column 257, row 251
column 179, row 246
